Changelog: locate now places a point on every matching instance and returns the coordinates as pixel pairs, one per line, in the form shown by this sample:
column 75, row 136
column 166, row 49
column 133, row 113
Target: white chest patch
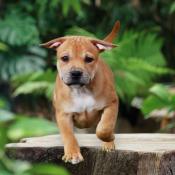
column 82, row 100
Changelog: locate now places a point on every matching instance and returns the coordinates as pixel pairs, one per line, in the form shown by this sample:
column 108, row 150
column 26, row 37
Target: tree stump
column 135, row 154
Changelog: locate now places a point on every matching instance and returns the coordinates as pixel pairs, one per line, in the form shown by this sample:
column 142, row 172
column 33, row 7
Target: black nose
column 76, row 73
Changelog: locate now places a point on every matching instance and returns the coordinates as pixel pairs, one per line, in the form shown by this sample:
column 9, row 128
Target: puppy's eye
column 65, row 58
column 88, row 59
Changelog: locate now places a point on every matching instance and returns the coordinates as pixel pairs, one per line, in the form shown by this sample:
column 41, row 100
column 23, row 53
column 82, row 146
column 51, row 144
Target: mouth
column 75, row 81
column 75, row 84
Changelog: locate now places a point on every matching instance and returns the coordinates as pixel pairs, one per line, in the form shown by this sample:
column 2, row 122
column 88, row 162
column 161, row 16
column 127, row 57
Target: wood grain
column 135, row 154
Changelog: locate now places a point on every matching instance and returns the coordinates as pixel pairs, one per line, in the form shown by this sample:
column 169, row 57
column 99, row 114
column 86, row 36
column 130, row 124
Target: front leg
column 106, row 126
column 71, row 148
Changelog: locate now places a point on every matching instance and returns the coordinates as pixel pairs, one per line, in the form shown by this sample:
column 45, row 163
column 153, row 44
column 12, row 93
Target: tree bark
column 135, row 154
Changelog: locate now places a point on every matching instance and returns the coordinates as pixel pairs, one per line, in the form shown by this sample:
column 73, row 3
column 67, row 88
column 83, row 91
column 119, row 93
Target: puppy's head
column 77, row 58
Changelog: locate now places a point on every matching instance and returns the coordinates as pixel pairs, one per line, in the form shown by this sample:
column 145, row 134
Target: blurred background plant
column 143, row 65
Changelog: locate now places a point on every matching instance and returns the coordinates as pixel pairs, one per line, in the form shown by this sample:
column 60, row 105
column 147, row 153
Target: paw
column 73, row 158
column 108, row 146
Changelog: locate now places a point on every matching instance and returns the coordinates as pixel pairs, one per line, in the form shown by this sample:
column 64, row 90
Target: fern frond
column 35, row 83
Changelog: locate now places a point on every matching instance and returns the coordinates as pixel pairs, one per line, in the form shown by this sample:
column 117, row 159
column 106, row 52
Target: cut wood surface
column 135, row 154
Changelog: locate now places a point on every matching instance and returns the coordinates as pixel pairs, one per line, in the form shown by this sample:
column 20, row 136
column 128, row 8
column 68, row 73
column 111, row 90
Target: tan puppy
column 84, row 93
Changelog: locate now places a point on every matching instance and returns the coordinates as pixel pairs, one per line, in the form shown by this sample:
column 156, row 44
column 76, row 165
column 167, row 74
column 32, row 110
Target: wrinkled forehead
column 77, row 45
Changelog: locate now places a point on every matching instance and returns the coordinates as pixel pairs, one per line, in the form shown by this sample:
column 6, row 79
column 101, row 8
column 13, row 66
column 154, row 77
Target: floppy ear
column 53, row 44
column 103, row 45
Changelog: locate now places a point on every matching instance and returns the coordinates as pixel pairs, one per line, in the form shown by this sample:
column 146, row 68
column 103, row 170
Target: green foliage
column 136, row 62
column 18, row 52
column 49, row 169
column 5, row 114
column 11, row 167
column 172, row 8
column 14, row 127
column 27, row 127
column 79, row 31
column 19, row 39
column 66, row 6
column 20, row 126
column 35, row 83
column 75, row 5
column 159, row 98
column 3, row 136
column 13, row 25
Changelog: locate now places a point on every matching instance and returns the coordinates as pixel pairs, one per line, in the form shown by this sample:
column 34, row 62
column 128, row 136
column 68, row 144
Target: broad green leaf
column 132, row 78
column 65, row 7
column 172, row 8
column 18, row 29
column 3, row 47
column 151, row 103
column 5, row 172
column 140, row 55
column 13, row 63
column 47, row 75
column 173, row 101
column 48, row 169
column 32, row 87
column 27, row 127
column 161, row 92
column 19, row 39
column 37, row 51
column 76, row 5
column 40, row 82
column 3, row 136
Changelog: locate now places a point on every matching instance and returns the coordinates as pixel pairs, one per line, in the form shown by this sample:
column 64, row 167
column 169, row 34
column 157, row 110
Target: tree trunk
column 135, row 154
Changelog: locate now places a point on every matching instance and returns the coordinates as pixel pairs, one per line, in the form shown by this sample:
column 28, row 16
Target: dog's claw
column 108, row 146
column 73, row 159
